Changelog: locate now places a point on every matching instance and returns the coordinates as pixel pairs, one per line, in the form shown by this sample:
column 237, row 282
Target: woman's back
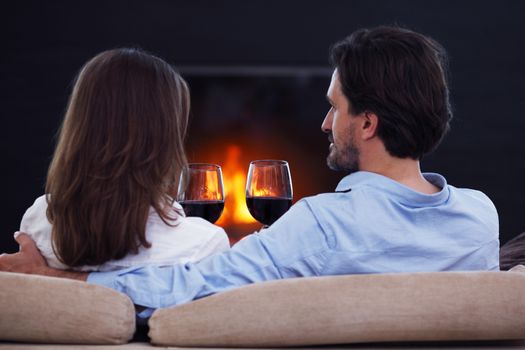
column 118, row 159
column 191, row 240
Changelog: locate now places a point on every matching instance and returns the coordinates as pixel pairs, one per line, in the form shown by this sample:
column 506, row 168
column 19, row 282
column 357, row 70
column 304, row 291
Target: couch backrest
column 349, row 309
column 53, row 310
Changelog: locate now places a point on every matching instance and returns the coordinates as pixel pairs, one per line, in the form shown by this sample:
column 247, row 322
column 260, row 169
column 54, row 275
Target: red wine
column 267, row 210
column 209, row 210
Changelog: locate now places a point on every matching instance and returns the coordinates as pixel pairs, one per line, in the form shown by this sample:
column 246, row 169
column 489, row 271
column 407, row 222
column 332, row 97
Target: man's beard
column 346, row 160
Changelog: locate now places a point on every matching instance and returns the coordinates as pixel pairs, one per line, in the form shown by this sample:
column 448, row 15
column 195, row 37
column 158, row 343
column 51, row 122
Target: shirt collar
column 403, row 193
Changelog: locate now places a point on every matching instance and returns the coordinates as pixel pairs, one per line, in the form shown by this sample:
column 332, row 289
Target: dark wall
column 46, row 42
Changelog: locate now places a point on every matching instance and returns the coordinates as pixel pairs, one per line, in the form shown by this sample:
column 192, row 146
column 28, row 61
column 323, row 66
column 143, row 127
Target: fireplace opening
column 248, row 114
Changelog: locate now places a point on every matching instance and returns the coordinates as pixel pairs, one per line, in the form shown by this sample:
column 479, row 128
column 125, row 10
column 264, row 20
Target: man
column 389, row 107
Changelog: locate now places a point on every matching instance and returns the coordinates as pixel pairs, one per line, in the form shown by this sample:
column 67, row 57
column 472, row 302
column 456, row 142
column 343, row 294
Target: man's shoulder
column 329, row 205
column 477, row 205
column 473, row 196
column 329, row 198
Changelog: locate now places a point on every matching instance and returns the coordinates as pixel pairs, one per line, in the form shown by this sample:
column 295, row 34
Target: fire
column 235, row 210
column 264, row 183
column 211, row 191
column 263, row 193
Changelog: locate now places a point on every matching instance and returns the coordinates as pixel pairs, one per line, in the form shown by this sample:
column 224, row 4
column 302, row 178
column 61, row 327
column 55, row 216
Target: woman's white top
column 190, row 240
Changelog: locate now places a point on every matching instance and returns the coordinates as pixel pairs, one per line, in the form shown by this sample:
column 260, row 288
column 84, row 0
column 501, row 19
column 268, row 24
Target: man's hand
column 29, row 260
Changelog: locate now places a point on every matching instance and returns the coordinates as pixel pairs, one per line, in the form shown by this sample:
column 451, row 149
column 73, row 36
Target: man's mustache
column 331, row 138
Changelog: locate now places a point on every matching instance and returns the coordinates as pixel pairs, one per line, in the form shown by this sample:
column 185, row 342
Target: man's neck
column 403, row 170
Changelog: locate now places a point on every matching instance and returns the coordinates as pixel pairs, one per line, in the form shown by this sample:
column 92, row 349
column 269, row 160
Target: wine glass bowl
column 268, row 190
column 201, row 191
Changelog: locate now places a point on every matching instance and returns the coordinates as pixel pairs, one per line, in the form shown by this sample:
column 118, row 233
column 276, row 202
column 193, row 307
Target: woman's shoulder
column 212, row 238
column 186, row 239
column 36, row 225
column 194, row 227
column 184, row 231
column 34, row 221
column 39, row 203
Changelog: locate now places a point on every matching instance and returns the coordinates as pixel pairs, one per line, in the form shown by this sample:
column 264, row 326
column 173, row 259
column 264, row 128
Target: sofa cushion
column 350, row 309
column 53, row 310
column 518, row 268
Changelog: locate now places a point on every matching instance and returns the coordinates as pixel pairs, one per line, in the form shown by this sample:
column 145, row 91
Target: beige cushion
column 518, row 268
column 349, row 309
column 53, row 310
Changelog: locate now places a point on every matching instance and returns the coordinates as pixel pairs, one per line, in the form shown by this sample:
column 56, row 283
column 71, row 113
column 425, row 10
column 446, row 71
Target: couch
column 380, row 311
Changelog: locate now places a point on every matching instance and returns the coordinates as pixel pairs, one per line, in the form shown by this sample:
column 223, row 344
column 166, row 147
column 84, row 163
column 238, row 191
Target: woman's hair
column 401, row 76
column 120, row 152
column 512, row 253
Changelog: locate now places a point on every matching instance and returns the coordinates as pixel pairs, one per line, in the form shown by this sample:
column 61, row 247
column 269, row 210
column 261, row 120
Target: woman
column 110, row 186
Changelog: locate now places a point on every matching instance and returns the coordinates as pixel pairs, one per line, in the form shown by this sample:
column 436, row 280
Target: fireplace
column 242, row 114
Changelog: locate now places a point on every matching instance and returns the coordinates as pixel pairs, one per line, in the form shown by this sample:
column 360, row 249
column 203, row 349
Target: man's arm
column 29, row 260
column 294, row 246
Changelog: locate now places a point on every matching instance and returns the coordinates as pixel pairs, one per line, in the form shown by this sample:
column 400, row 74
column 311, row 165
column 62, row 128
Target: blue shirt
column 371, row 224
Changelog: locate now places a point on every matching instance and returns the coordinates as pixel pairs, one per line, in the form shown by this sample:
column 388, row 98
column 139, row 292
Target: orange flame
column 263, row 183
column 211, row 190
column 235, row 210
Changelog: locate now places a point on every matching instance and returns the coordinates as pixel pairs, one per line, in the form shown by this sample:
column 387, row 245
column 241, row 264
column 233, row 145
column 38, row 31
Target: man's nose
column 326, row 126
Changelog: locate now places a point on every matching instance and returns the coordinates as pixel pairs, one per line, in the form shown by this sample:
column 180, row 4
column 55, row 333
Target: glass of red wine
column 201, row 191
column 268, row 190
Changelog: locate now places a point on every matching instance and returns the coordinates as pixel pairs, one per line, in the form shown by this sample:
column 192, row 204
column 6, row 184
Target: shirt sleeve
column 36, row 225
column 294, row 246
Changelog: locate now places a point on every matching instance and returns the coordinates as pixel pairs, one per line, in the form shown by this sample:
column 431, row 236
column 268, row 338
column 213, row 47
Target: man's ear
column 369, row 125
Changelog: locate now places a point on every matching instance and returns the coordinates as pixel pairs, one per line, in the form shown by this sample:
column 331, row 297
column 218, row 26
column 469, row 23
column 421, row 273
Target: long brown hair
column 120, row 152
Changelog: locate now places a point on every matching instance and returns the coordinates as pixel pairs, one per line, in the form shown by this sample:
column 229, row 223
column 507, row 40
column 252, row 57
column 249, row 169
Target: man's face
column 340, row 125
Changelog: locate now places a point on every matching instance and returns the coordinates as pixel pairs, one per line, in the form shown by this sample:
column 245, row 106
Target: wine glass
column 268, row 190
column 201, row 191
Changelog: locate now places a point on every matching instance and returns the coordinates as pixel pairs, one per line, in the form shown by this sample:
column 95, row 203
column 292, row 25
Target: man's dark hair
column 400, row 76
